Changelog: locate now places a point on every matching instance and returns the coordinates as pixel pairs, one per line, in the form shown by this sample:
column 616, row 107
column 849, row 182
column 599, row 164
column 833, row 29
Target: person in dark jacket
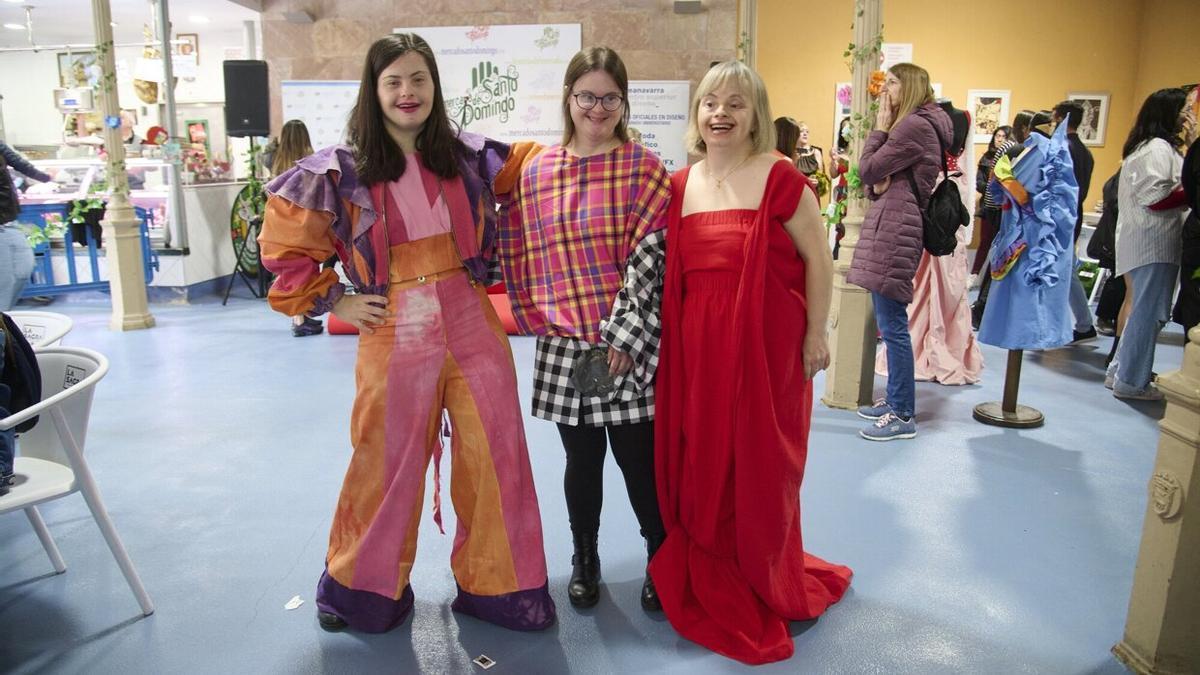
column 1083, row 163
column 1187, row 308
column 16, row 256
column 910, row 130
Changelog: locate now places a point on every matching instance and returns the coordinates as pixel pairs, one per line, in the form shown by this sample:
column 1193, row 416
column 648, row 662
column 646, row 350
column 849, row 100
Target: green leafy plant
column 255, row 188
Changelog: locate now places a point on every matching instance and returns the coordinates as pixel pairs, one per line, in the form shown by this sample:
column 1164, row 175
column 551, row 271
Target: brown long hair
column 584, row 62
column 787, row 135
column 915, row 90
column 377, row 157
column 294, row 145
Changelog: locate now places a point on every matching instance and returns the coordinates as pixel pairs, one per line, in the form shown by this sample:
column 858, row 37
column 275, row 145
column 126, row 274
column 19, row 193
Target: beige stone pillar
column 122, row 235
column 1162, row 630
column 851, row 374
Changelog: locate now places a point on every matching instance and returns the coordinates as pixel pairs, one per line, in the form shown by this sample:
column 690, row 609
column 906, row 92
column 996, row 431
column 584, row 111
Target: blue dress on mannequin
column 1029, row 307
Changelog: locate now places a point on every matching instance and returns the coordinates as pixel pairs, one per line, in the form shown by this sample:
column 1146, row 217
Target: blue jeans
column 16, row 265
column 1079, row 301
column 1153, row 288
column 892, row 319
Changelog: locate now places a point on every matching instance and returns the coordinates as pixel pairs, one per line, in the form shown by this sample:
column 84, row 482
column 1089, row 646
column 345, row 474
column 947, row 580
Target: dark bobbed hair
column 1020, row 125
column 843, row 143
column 1071, row 111
column 787, row 135
column 1158, row 118
column 294, row 145
column 377, row 157
column 992, row 149
column 584, row 62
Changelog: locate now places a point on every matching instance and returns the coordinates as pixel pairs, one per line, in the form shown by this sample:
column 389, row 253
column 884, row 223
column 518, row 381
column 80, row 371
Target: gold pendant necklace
column 720, row 182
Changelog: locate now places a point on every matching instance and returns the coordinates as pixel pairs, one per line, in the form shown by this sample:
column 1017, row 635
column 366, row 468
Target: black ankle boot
column 330, row 622
column 650, row 601
column 584, row 588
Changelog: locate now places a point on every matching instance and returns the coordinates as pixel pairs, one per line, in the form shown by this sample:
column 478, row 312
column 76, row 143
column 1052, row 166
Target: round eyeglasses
column 586, row 100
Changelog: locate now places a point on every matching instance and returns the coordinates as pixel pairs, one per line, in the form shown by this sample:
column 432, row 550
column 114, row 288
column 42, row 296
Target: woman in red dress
column 748, row 271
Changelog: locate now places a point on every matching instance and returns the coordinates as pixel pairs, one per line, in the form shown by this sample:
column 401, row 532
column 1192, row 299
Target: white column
column 1162, row 629
column 851, row 374
column 122, row 231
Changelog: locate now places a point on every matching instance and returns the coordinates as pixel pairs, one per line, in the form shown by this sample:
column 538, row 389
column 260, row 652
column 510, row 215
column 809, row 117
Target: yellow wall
column 1127, row 48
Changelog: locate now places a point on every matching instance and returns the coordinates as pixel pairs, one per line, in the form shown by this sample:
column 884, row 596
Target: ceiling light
column 196, row 18
column 14, row 26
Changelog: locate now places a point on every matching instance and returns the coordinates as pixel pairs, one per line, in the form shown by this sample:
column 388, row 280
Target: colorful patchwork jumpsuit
column 424, row 242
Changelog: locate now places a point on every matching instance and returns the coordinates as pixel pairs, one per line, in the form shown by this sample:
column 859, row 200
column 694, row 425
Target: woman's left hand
column 619, row 363
column 816, row 353
column 882, row 186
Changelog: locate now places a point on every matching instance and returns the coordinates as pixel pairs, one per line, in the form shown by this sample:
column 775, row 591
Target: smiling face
column 596, row 126
column 406, row 93
column 804, row 135
column 725, row 118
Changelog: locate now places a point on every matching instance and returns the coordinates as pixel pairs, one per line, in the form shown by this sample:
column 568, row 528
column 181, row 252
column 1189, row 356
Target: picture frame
column 1095, row 115
column 190, row 46
column 989, row 110
column 78, row 69
column 841, row 107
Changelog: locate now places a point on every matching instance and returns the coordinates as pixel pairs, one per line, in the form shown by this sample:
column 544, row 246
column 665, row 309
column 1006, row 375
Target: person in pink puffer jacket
column 908, row 127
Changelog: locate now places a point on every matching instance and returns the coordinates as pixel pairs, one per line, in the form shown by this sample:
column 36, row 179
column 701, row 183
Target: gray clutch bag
column 589, row 374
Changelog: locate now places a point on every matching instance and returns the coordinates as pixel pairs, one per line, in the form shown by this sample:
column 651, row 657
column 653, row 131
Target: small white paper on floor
column 484, row 661
column 294, row 602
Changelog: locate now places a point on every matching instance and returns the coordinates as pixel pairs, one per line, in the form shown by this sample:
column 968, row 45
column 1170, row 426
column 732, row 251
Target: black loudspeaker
column 247, row 99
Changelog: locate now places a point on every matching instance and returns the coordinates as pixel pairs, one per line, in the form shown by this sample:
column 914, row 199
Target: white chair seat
column 36, row 481
column 50, row 462
column 42, row 329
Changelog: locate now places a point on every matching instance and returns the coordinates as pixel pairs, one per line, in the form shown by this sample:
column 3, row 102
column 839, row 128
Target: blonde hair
column 745, row 80
column 294, row 145
column 604, row 60
column 914, row 89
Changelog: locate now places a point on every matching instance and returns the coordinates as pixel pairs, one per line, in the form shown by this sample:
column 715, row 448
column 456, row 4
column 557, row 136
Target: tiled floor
column 219, row 442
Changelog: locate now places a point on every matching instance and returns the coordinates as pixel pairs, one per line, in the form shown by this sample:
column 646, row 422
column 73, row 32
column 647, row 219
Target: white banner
column 658, row 110
column 323, row 105
column 504, row 82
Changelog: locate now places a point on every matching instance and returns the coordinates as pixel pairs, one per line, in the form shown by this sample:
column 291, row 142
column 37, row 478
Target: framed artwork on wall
column 78, row 69
column 1095, row 115
column 989, row 110
column 190, row 46
column 841, row 107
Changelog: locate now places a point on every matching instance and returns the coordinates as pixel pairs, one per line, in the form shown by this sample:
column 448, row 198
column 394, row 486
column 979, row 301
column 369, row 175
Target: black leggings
column 583, row 482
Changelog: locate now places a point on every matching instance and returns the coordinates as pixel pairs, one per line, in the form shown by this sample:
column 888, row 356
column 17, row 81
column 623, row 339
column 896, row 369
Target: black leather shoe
column 307, row 327
column 331, row 622
column 650, row 601
column 584, row 587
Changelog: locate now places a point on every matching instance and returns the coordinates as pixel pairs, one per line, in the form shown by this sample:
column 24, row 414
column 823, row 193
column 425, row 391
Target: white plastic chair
column 50, row 462
column 42, row 329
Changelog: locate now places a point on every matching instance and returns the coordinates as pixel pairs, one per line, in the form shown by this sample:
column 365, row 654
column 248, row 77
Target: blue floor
column 219, row 444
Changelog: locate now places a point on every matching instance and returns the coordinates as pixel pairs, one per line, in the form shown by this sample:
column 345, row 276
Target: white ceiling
column 70, row 21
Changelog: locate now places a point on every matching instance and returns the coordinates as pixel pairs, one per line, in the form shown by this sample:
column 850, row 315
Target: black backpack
column 944, row 213
column 20, row 377
column 1102, row 247
column 10, row 208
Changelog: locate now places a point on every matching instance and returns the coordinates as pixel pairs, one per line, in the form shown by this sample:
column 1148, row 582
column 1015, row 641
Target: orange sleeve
column 294, row 242
column 519, row 156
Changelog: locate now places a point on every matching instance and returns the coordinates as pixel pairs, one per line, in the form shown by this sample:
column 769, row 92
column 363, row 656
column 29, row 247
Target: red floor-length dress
column 733, row 416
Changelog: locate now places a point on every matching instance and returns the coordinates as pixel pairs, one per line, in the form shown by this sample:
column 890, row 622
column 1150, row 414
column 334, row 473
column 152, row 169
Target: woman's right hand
column 362, row 311
column 885, row 115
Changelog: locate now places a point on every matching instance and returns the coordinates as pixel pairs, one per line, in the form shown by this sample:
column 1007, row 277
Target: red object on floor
column 503, row 307
column 336, row 326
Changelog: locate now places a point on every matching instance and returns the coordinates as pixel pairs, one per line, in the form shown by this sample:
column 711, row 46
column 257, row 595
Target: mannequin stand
column 1009, row 413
